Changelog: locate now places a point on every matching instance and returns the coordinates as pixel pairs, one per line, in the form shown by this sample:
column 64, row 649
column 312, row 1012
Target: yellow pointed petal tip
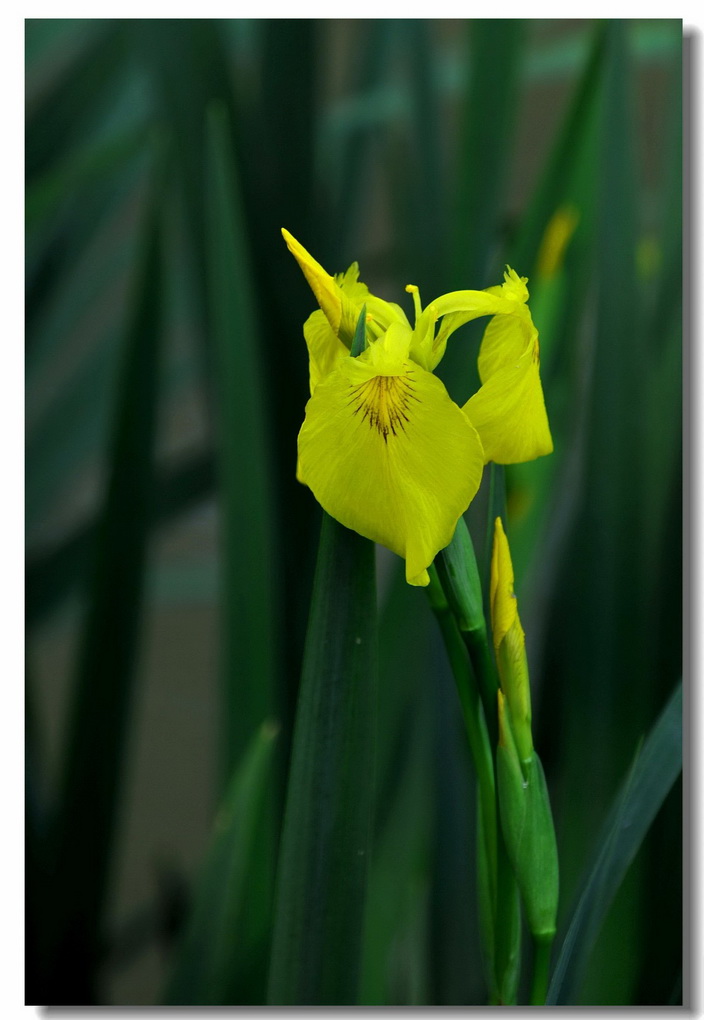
column 327, row 292
column 502, row 598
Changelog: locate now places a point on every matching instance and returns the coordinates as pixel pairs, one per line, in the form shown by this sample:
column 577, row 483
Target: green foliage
column 654, row 771
column 82, row 829
column 326, row 839
column 216, row 933
column 166, row 381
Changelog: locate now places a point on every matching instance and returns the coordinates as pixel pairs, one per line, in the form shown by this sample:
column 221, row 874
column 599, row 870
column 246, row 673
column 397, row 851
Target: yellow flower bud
column 510, row 643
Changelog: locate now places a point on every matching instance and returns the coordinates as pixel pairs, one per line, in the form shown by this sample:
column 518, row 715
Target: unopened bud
column 529, row 834
column 510, row 643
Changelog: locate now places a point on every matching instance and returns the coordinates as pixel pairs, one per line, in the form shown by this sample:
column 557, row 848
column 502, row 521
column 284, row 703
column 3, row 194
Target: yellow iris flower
column 383, row 447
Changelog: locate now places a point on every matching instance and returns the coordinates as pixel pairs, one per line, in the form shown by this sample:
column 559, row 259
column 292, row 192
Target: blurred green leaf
column 249, row 607
column 211, row 948
column 543, row 495
column 281, row 187
column 78, row 170
column 399, row 870
column 348, row 160
column 421, row 232
column 486, row 135
column 573, row 154
column 326, row 841
column 651, row 42
column 386, row 102
column 656, row 767
column 99, row 719
column 60, row 119
column 395, row 965
column 488, row 111
column 55, row 573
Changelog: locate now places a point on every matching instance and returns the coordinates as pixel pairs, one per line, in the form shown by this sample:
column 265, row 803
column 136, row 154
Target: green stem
column 456, row 590
column 507, row 950
column 541, row 970
column 475, row 723
column 477, row 642
column 458, row 574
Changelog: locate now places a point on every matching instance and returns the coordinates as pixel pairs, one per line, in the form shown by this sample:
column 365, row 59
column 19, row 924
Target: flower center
column 384, row 402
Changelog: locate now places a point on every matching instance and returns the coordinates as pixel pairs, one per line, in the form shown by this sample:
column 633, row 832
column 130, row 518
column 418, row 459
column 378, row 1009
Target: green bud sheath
column 457, row 565
column 529, row 834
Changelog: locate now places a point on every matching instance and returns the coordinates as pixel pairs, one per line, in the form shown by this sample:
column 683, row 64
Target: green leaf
column 488, row 116
column 79, row 169
column 211, row 947
column 488, row 113
column 344, row 156
column 657, row 766
column 64, row 114
column 529, row 834
column 249, row 607
column 426, row 241
column 55, row 573
column 99, row 715
column 399, row 876
column 573, row 152
column 359, row 341
column 326, row 838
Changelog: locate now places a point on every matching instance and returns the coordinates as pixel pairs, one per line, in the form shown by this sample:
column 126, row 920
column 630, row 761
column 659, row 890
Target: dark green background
column 170, row 549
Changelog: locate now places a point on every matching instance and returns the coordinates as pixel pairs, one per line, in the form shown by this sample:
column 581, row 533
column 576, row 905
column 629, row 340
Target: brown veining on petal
column 385, row 402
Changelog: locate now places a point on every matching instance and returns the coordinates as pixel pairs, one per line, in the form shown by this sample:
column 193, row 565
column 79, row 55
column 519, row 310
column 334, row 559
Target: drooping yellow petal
column 324, row 347
column 387, row 453
column 508, row 411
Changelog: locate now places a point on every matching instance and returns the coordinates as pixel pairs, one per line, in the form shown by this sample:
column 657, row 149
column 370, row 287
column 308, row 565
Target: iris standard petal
column 326, row 290
column 382, row 312
column 390, row 456
column 339, row 310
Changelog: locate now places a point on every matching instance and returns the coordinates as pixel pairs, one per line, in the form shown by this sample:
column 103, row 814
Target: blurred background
column 170, row 550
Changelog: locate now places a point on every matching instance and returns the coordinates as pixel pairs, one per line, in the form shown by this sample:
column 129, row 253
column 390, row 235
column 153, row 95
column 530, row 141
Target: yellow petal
column 508, row 411
column 462, row 306
column 326, row 290
column 324, row 347
column 390, row 455
column 341, row 297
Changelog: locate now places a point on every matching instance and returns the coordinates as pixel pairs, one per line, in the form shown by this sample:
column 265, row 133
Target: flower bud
column 529, row 834
column 510, row 643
